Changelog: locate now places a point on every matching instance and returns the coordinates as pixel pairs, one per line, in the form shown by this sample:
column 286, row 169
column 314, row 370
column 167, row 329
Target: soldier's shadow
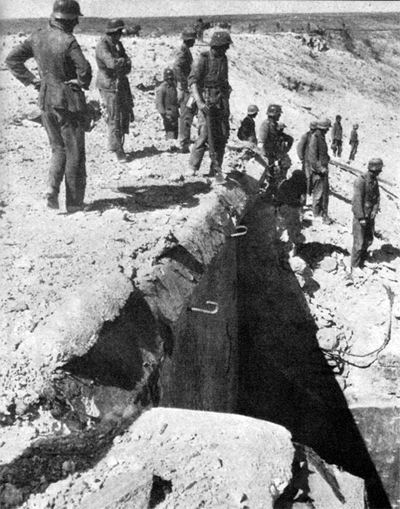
column 386, row 253
column 141, row 198
column 145, row 152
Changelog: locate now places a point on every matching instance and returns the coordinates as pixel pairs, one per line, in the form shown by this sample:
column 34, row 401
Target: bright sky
column 144, row 8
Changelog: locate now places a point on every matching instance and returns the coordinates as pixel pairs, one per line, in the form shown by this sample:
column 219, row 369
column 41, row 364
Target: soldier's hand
column 36, row 84
column 203, row 108
column 363, row 222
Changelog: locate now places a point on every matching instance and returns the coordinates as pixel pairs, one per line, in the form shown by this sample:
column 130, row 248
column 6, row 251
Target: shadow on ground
column 283, row 374
column 137, row 199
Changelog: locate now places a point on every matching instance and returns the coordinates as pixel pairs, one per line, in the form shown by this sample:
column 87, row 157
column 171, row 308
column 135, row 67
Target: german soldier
column 208, row 81
column 318, row 158
column 247, row 129
column 182, row 64
column 302, row 152
column 114, row 65
column 167, row 104
column 365, row 206
column 64, row 72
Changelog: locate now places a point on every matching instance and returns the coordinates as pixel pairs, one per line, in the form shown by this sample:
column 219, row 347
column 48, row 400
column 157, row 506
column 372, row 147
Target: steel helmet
column 66, row 9
column 221, row 39
column 274, row 110
column 324, row 123
column 113, row 25
column 252, row 109
column 375, row 164
column 313, row 124
column 188, row 34
column 168, row 73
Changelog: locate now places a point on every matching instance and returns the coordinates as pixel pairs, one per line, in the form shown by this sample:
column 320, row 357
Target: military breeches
column 66, row 134
column 320, row 194
column 353, row 152
column 289, row 227
column 117, row 118
column 186, row 120
column 216, row 125
column 171, row 127
column 363, row 237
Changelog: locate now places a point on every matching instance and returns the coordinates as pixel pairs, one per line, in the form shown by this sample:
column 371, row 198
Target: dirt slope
column 47, row 256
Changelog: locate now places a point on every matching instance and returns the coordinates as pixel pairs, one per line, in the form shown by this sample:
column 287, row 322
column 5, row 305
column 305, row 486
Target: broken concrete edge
column 74, row 327
column 195, row 454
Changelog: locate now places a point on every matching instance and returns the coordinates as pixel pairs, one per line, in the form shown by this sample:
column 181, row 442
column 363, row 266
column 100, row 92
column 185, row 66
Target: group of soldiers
column 191, row 87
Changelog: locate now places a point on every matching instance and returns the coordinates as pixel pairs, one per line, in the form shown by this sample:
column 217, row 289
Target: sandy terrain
column 48, row 255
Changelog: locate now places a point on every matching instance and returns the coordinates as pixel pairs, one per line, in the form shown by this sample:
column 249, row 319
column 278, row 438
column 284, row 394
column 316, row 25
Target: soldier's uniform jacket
column 182, row 65
column 59, row 58
column 167, row 100
column 303, row 146
column 269, row 138
column 114, row 64
column 366, row 198
column 210, row 73
column 247, row 130
column 337, row 131
column 353, row 137
column 318, row 156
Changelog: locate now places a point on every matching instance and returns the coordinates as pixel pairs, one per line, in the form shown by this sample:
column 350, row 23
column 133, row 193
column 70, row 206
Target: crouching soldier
column 167, row 104
column 365, row 206
column 247, row 129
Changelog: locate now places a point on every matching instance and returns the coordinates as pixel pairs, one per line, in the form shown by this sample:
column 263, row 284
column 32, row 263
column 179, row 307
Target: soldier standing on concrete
column 353, row 142
column 247, row 129
column 268, row 142
column 318, row 159
column 337, row 137
column 365, row 206
column 209, row 84
column 167, row 104
column 182, row 64
column 64, row 72
column 302, row 152
column 112, row 81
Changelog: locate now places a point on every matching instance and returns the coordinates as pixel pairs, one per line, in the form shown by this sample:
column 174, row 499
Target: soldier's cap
column 313, row 124
column 168, row 73
column 338, row 117
column 274, row 109
column 281, row 125
column 188, row 33
column 324, row 123
column 252, row 109
column 113, row 25
column 220, row 39
column 355, row 126
column 375, row 164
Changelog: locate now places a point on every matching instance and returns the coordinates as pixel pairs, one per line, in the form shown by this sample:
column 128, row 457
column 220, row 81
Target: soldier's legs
column 51, row 123
column 200, row 145
column 185, row 122
column 325, row 195
column 73, row 133
column 115, row 134
column 358, row 250
column 339, row 148
column 317, row 187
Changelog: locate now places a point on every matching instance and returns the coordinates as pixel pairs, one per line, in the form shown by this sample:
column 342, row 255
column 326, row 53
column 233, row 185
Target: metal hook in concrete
column 240, row 230
column 207, row 311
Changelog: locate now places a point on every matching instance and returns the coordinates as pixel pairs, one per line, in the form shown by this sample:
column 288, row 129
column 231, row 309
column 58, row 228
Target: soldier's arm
column 263, row 136
column 288, row 141
column 313, row 153
column 178, row 68
column 15, row 62
column 82, row 66
column 160, row 100
column 301, row 147
column 357, row 202
column 198, row 69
